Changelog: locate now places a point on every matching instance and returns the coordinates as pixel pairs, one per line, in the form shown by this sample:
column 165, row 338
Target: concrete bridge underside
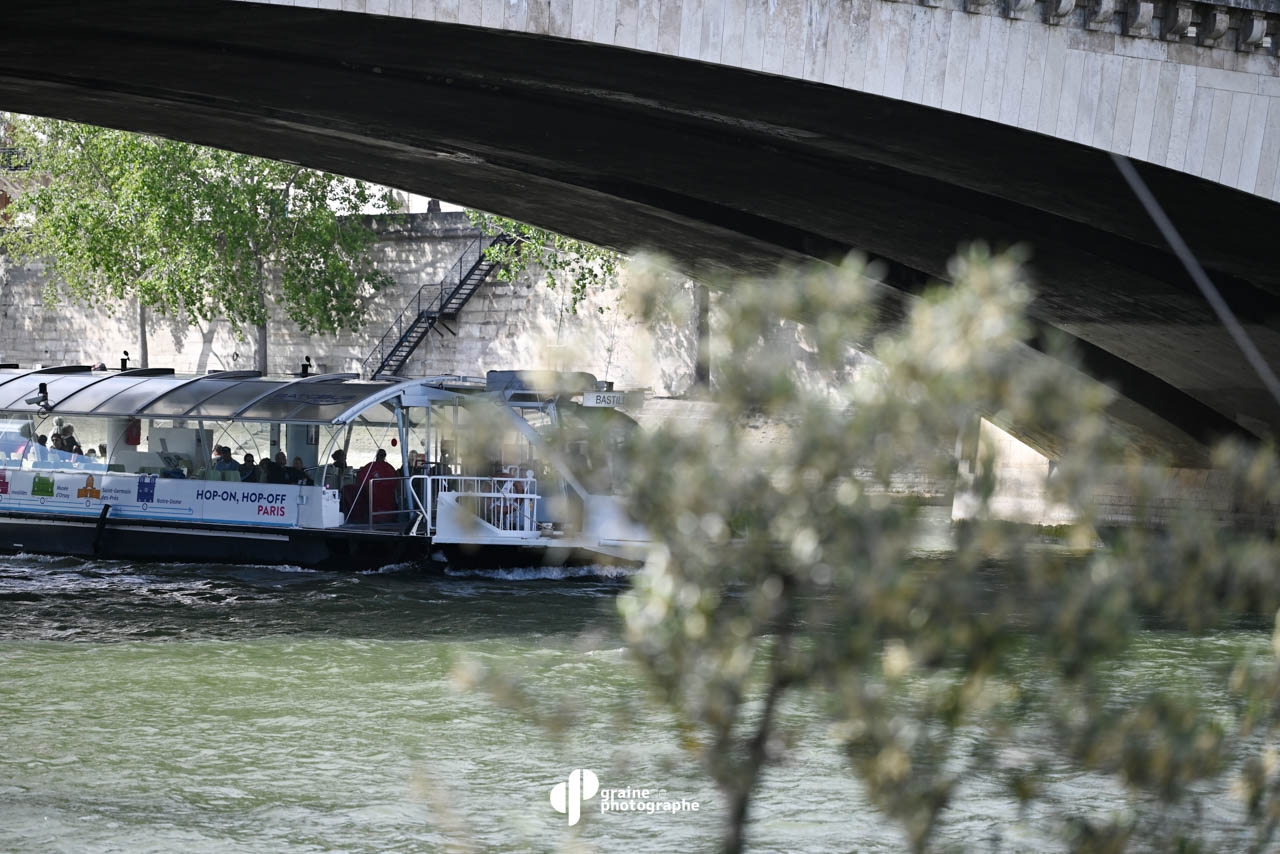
column 724, row 169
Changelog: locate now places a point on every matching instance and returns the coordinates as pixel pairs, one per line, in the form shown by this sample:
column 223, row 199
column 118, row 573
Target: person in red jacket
column 376, row 480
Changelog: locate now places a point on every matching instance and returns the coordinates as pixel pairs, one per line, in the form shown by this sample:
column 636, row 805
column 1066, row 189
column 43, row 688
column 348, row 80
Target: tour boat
column 518, row 467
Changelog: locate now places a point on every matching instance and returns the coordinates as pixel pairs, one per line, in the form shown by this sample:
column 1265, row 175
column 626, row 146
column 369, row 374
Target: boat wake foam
column 545, row 573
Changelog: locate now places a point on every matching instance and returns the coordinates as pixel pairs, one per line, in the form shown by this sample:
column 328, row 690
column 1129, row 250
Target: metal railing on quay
column 14, row 160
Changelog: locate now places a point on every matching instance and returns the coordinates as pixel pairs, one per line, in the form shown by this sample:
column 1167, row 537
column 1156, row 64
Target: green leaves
column 193, row 232
column 584, row 265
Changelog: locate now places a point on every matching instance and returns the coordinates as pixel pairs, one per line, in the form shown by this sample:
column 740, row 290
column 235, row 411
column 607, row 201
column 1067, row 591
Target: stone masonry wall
column 521, row 324
column 506, row 325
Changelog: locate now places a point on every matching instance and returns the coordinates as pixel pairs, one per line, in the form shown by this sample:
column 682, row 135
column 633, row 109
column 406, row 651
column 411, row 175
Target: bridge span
column 737, row 133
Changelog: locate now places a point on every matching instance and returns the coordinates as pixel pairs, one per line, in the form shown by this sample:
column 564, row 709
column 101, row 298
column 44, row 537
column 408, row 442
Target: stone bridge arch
column 729, row 168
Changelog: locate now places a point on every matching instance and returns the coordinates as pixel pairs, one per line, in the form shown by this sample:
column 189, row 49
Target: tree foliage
column 788, row 570
column 583, row 265
column 190, row 231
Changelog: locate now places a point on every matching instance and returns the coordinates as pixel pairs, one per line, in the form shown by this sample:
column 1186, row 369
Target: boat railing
column 506, row 503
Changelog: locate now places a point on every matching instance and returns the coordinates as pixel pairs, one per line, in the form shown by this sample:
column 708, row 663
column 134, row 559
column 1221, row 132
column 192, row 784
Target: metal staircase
column 432, row 304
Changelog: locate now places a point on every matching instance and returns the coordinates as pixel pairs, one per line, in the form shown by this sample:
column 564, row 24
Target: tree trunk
column 260, row 358
column 206, row 346
column 144, row 355
column 260, row 355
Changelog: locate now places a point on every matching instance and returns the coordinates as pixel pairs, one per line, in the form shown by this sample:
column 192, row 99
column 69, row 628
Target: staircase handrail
column 445, row 288
column 14, row 160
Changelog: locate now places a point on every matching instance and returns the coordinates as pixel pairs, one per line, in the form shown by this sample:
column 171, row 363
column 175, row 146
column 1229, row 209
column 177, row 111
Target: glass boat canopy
column 219, row 396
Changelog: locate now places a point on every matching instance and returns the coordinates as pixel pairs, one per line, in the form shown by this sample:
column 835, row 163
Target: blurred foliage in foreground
column 787, row 569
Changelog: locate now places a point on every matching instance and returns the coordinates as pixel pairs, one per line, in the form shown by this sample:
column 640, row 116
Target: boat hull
column 183, row 543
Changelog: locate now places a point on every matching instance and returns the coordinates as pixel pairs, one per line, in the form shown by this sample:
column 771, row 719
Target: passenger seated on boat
column 375, row 485
column 225, row 462
column 339, row 472
column 58, row 453
column 277, row 470
column 298, row 474
column 69, row 441
column 42, row 447
column 417, row 465
column 516, row 511
column 248, row 471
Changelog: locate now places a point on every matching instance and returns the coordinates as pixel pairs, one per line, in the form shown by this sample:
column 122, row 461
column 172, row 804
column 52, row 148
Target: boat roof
column 217, row 396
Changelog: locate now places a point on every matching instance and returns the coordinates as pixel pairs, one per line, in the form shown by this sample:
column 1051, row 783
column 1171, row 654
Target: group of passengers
column 275, row 470
column 63, row 447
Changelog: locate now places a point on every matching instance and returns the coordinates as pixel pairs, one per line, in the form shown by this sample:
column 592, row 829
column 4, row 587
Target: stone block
column 933, row 86
column 1032, row 80
column 1180, row 127
column 1108, row 88
column 1231, row 81
column 1145, row 107
column 582, row 21
column 1162, row 112
column 626, row 22
column 1215, row 144
column 1234, row 141
column 917, row 58
column 1152, row 49
column 1092, row 40
column 1265, row 183
column 856, row 59
column 711, row 39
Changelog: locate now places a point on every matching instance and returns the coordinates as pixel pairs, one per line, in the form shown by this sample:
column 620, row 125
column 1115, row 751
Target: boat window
column 185, row 398
column 378, row 414
column 539, row 418
column 15, row 393
column 14, row 435
column 95, row 395
column 591, row 439
column 129, row 399
column 367, row 436
column 321, row 401
column 88, row 433
column 231, row 400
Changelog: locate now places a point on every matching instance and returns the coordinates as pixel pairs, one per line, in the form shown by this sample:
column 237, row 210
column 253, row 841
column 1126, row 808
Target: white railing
column 506, row 503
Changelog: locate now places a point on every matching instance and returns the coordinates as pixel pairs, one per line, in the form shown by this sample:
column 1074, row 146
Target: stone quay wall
column 522, row 324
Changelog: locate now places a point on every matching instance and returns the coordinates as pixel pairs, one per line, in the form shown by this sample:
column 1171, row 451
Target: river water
column 243, row 709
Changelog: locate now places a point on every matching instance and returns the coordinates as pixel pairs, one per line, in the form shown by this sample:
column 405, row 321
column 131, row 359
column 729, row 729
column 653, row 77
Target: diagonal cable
column 1198, row 275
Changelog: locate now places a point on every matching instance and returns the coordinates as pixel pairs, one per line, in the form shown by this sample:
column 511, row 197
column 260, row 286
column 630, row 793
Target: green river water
column 165, row 708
